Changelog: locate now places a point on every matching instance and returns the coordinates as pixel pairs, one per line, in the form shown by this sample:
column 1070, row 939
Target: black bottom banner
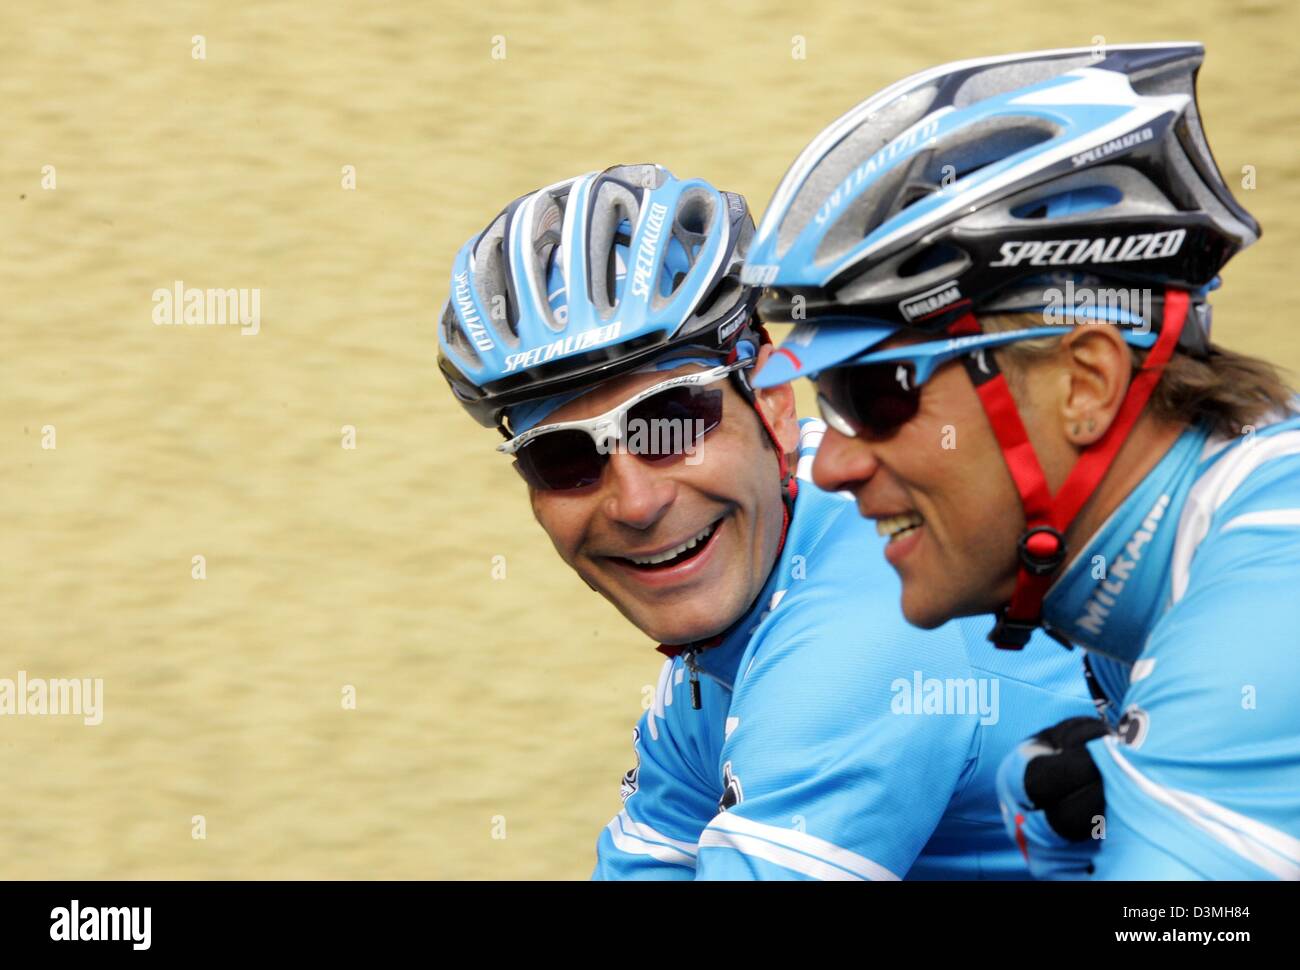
column 132, row 920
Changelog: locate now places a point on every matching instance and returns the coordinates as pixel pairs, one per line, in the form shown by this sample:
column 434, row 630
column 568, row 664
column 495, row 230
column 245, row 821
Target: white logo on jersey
column 1133, row 726
column 627, row 788
column 732, row 793
column 1108, row 591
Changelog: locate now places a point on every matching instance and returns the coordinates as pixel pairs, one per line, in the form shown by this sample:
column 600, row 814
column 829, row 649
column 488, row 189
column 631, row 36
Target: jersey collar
column 1113, row 592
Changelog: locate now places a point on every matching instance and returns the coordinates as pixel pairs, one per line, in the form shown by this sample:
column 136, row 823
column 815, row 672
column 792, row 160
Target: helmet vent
column 614, row 208
column 694, row 216
column 1072, row 203
column 931, row 258
column 723, row 297
column 456, row 338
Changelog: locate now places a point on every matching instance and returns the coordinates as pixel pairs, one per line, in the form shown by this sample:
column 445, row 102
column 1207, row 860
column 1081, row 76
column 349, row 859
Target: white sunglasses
column 560, row 460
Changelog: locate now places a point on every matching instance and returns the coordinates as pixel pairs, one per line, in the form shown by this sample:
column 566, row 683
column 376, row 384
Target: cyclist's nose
column 638, row 494
column 843, row 463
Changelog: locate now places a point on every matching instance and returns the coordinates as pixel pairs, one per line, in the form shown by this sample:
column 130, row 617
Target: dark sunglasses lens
column 560, row 460
column 672, row 422
column 875, row 398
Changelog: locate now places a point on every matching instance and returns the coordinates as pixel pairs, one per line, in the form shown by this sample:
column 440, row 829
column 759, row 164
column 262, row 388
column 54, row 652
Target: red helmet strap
column 1042, row 549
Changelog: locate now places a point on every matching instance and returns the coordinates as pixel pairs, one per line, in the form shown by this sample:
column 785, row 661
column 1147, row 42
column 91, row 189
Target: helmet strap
column 1042, row 548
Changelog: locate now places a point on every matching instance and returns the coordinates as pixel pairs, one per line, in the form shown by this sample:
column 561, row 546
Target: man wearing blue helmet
column 800, row 727
column 1096, row 466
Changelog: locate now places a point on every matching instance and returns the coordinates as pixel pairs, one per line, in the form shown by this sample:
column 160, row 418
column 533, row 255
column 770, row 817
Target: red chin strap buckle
column 1042, row 548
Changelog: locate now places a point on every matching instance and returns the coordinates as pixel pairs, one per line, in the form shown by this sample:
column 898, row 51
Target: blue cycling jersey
column 833, row 740
column 1188, row 599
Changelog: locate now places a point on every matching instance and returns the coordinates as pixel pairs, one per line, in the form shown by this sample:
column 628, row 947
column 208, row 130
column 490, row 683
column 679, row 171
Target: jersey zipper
column 689, row 658
column 695, row 680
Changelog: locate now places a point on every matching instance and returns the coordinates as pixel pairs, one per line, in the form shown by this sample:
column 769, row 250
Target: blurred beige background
column 476, row 697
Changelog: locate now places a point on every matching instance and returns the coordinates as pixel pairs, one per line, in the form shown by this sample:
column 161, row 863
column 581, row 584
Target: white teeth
column 672, row 553
column 895, row 525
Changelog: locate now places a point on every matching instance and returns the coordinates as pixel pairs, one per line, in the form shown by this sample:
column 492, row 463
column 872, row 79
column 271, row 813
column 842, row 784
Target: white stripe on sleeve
column 631, row 826
column 1213, row 489
column 1266, row 847
column 634, row 846
column 791, row 848
column 1268, row 517
column 771, row 852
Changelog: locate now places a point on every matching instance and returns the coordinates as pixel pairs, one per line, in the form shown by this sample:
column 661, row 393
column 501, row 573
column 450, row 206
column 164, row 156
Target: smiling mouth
column 675, row 556
column 895, row 527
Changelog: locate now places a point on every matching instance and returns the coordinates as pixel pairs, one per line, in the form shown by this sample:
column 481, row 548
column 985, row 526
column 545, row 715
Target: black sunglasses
column 869, row 400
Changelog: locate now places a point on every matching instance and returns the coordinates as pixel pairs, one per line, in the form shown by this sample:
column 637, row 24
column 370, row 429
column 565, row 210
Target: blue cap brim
column 814, row 347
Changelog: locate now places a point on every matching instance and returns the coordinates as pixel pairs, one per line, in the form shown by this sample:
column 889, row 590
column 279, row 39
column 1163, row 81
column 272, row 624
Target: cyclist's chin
column 686, row 614
column 929, row 596
column 929, row 602
column 922, row 608
column 688, row 626
column 683, row 615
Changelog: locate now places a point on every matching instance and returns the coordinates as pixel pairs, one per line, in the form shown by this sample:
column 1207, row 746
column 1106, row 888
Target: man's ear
column 778, row 406
column 1099, row 370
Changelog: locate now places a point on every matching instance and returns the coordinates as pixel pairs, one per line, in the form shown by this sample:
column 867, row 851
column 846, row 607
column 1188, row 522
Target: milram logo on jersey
column 1107, row 593
column 905, row 143
column 645, row 253
column 932, row 300
column 1122, row 143
column 563, row 346
column 1108, row 249
column 465, row 303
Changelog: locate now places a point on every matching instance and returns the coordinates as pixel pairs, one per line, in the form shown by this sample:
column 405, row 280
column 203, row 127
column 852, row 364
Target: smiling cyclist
column 1050, row 225
column 796, row 730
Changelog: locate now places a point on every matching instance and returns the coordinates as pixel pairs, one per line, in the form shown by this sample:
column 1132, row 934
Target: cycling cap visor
column 815, row 347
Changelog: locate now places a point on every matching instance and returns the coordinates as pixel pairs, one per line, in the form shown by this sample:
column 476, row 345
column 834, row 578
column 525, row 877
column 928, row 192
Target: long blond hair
column 1226, row 389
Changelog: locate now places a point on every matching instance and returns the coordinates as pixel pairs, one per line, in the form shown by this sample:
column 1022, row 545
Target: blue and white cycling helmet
column 982, row 187
column 974, row 186
column 591, row 278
